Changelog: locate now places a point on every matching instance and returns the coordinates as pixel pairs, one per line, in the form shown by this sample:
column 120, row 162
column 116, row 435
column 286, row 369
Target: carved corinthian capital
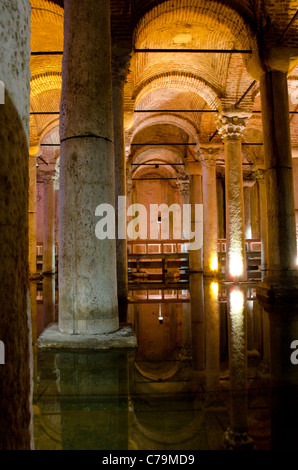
column 120, row 69
column 231, row 126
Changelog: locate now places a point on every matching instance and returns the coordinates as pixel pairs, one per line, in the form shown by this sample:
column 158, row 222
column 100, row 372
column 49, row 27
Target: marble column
column 87, row 266
column 282, row 253
column 34, row 152
column 195, row 198
column 49, row 224
column 264, row 222
column 120, row 69
column 208, row 159
column 231, row 128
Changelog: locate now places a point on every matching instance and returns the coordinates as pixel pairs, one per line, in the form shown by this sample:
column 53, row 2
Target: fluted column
column 120, row 68
column 34, row 152
column 231, row 128
column 260, row 174
column 208, row 157
column 87, row 266
column 282, row 253
column 48, row 266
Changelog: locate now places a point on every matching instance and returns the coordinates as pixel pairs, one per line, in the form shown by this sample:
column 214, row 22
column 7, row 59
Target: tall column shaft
column 264, row 221
column 33, row 152
column 231, row 128
column 87, row 265
column 49, row 226
column 120, row 70
column 195, row 195
column 282, row 254
column 210, row 230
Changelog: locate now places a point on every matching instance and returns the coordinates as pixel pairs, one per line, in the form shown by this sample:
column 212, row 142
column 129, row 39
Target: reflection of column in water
column 49, row 299
column 33, row 309
column 236, row 437
column 186, row 330
column 211, row 307
column 197, row 320
column 284, row 377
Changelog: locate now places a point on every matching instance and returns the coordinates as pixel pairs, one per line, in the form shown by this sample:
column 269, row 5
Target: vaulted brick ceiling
column 169, row 81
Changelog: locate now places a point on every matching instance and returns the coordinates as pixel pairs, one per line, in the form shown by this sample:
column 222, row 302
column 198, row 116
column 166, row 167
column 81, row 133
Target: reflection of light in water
column 160, row 317
column 237, row 304
column 236, row 265
column 214, row 263
column 214, row 288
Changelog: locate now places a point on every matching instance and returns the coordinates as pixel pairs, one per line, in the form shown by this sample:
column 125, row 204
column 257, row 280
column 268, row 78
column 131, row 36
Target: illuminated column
column 247, row 186
column 33, row 154
column 210, row 244
column 120, row 68
column 263, row 216
column 195, row 198
column 282, row 253
column 183, row 185
column 49, row 224
column 87, row 266
column 231, row 128
column 236, row 437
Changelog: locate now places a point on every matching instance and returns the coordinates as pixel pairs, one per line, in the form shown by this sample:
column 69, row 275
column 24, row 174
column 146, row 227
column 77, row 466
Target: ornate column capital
column 260, row 175
column 183, row 186
column 232, row 125
column 48, row 177
column 248, row 183
column 120, row 69
column 209, row 155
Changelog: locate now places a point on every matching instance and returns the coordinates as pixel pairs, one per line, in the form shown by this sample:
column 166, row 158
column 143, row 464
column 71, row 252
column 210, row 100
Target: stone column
column 33, row 154
column 120, row 68
column 87, row 265
column 247, row 186
column 231, row 127
column 210, row 237
column 49, row 224
column 264, row 223
column 282, row 253
column 183, row 185
column 16, row 425
column 195, row 198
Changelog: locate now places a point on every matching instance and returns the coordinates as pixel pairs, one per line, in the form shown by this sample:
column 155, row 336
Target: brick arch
column 180, row 81
column 191, row 12
column 43, row 9
column 162, row 119
column 45, row 82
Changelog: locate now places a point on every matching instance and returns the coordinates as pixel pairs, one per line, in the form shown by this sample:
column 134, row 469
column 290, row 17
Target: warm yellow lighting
column 214, row 288
column 182, row 38
column 237, row 302
column 214, row 264
column 236, row 265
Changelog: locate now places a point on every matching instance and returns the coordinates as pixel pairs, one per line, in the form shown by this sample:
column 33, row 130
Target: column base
column 237, row 441
column 53, row 339
column 279, row 288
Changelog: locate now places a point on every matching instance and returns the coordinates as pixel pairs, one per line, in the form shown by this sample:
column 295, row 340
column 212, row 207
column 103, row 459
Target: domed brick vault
column 196, row 124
